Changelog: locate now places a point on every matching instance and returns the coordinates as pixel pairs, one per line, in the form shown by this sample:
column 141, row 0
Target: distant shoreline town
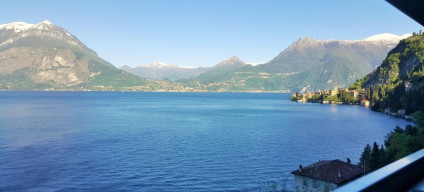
column 345, row 96
column 333, row 96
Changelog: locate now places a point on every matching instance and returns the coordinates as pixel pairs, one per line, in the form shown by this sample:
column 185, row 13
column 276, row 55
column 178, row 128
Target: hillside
column 220, row 69
column 397, row 87
column 161, row 71
column 307, row 64
column 399, row 82
column 157, row 70
column 46, row 56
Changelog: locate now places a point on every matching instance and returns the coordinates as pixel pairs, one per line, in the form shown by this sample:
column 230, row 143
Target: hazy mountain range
column 45, row 56
column 307, row 64
column 158, row 70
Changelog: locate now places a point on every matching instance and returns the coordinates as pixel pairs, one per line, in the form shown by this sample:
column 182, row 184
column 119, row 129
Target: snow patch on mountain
column 18, row 30
column 387, row 37
column 45, row 25
column 22, row 26
column 47, row 22
column 159, row 65
column 255, row 64
column 187, row 67
column 16, row 26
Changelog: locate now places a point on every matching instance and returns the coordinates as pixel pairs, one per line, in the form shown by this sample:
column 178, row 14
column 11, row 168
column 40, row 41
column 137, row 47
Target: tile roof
column 329, row 171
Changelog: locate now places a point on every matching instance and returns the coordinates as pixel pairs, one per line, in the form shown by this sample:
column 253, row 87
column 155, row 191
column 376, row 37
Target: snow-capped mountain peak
column 16, row 26
column 22, row 26
column 47, row 22
column 19, row 30
column 45, row 25
column 387, row 37
column 160, row 65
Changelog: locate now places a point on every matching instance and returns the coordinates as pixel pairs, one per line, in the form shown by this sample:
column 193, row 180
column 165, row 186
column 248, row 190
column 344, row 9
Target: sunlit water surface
column 113, row 141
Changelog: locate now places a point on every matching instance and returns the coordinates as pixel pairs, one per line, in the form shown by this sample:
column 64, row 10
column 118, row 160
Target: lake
column 136, row 141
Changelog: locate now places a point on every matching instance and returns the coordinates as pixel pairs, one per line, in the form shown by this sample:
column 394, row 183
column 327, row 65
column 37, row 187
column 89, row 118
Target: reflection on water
column 95, row 141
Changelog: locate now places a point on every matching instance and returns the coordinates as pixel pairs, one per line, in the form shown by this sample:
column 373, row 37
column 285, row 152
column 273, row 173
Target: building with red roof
column 325, row 175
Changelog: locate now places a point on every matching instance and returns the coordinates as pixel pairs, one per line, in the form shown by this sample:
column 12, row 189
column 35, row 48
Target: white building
column 325, row 175
column 365, row 103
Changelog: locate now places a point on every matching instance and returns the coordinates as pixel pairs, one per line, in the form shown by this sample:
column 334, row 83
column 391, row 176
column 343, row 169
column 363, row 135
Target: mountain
column 405, row 59
column 157, row 70
column 399, row 82
column 46, row 56
column 221, row 72
column 229, row 64
column 307, row 64
column 387, row 37
column 308, row 52
column 220, row 69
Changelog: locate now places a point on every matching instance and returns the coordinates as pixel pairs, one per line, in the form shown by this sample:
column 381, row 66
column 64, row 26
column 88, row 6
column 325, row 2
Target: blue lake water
column 113, row 141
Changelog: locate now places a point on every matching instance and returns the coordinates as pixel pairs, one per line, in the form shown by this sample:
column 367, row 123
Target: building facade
column 308, row 184
column 325, row 175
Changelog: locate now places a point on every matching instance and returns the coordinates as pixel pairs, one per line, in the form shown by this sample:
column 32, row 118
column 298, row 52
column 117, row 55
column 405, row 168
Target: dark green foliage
column 372, row 158
column 317, row 98
column 365, row 159
column 385, row 86
column 375, row 162
column 399, row 143
column 331, row 98
column 342, row 96
column 357, row 85
column 419, row 118
column 346, row 97
column 294, row 97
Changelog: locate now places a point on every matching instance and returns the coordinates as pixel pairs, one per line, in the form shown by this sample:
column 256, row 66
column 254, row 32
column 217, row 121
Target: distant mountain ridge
column 46, row 56
column 307, row 64
column 307, row 52
column 159, row 70
column 230, row 64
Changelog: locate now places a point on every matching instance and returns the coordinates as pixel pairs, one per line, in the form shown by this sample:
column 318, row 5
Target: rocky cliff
column 46, row 56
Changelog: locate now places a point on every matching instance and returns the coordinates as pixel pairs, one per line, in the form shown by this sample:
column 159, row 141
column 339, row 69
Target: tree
column 419, row 118
column 375, row 157
column 365, row 158
column 383, row 159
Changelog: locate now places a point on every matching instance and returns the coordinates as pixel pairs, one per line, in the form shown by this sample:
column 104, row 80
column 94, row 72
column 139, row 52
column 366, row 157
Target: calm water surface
column 113, row 141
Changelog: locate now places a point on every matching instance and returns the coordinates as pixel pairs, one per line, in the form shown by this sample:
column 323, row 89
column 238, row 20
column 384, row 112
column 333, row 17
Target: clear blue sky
column 205, row 32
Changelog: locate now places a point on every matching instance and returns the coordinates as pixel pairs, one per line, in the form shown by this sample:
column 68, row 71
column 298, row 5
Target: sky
column 202, row 33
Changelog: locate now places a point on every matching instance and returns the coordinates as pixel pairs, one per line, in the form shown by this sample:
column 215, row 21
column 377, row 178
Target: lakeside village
column 328, row 175
column 346, row 96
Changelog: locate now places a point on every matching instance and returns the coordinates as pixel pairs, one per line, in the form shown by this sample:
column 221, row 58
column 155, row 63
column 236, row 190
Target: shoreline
column 147, row 91
column 408, row 118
